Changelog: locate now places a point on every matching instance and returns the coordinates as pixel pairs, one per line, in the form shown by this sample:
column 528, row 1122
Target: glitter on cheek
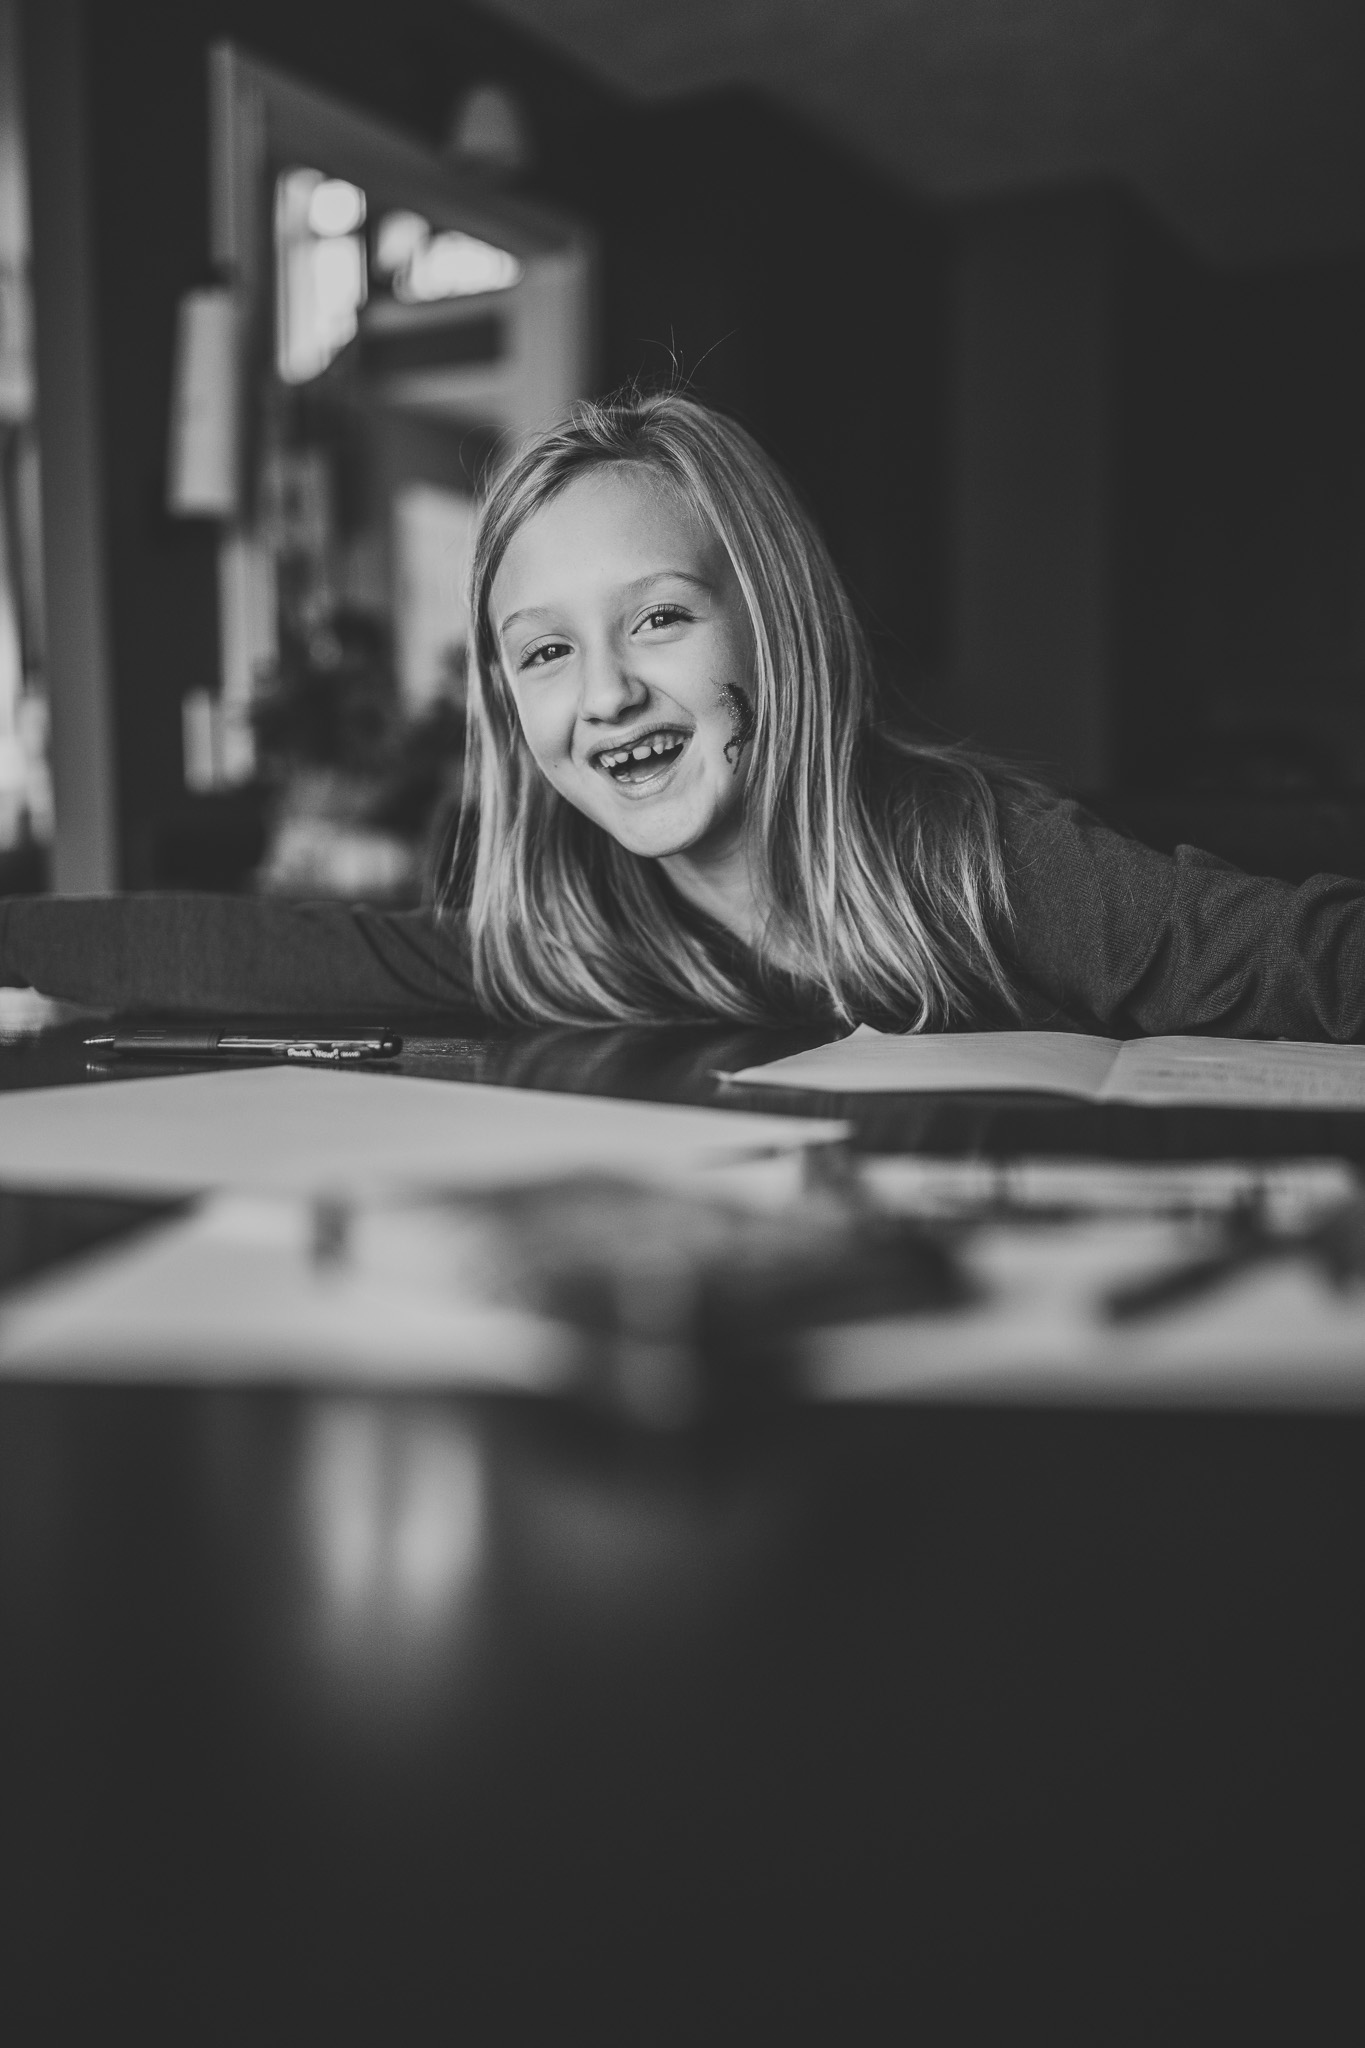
column 742, row 721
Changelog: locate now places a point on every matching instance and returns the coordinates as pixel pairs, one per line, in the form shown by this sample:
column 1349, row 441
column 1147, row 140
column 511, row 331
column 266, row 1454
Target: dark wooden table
column 335, row 1718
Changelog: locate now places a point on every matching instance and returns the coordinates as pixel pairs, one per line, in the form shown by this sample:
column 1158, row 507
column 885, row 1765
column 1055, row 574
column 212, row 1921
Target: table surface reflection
column 386, row 1718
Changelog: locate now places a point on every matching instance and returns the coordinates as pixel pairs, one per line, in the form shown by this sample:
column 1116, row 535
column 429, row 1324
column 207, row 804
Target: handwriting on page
column 1238, row 1073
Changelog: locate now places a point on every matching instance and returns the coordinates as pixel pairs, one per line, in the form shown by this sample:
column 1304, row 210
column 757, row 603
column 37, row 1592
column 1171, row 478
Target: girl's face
column 628, row 649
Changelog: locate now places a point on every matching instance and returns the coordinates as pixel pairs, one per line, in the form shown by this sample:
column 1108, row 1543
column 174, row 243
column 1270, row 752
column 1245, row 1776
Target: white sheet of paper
column 912, row 1063
column 277, row 1128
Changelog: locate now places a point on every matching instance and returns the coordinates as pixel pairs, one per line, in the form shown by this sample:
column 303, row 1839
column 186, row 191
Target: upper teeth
column 641, row 751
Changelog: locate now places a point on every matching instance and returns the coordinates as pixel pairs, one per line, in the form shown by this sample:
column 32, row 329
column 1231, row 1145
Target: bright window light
column 454, row 266
column 320, row 271
column 336, row 208
column 399, row 238
column 293, row 196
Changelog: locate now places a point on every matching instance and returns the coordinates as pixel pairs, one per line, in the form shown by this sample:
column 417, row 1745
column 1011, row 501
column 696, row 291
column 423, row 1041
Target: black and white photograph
column 682, row 1022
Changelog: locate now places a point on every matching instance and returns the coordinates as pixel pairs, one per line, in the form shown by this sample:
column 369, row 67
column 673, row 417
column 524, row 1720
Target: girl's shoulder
column 930, row 789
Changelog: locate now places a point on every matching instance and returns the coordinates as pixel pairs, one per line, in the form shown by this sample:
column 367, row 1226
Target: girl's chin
column 665, row 838
column 649, row 839
column 651, row 831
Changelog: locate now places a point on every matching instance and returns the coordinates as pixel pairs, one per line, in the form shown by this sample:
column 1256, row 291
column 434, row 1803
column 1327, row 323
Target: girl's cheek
column 549, row 733
column 530, row 713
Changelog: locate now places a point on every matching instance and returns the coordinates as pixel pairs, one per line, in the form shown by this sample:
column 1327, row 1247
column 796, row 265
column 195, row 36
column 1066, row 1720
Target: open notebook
column 1231, row 1072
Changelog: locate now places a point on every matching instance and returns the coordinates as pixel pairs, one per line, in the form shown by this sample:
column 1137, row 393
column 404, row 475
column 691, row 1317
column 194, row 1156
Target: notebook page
column 1238, row 1073
column 976, row 1062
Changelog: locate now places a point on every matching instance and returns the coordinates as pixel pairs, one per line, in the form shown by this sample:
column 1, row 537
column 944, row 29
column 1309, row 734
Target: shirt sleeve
column 1114, row 934
column 225, row 954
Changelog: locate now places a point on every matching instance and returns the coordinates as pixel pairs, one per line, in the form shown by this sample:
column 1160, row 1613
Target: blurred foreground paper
column 1232, row 1073
column 235, row 1292
column 1276, row 1335
column 428, row 1290
column 243, row 1290
column 276, row 1128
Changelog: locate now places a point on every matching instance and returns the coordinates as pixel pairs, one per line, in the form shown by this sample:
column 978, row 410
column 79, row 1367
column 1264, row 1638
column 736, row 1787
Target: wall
column 1032, row 482
column 1157, row 493
column 1240, row 522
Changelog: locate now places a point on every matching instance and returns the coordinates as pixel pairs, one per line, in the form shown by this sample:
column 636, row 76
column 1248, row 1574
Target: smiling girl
column 683, row 806
column 686, row 806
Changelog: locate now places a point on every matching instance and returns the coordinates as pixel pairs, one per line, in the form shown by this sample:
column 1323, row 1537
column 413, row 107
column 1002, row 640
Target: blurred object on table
column 1218, row 1284
column 26, row 1014
column 666, row 1307
column 689, row 1304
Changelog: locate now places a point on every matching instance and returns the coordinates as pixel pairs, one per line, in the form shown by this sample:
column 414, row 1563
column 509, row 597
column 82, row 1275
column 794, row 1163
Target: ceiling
column 1242, row 122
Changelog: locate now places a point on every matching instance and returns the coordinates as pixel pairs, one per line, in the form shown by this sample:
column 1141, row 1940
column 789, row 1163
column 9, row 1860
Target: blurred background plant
column 359, row 788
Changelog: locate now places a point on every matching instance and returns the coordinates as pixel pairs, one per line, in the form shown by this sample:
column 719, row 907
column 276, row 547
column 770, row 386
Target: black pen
column 237, row 1045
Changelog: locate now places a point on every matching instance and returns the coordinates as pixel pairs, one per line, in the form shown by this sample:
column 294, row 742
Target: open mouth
column 643, row 758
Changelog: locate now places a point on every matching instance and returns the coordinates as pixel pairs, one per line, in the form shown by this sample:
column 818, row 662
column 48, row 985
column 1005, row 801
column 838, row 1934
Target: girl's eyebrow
column 640, row 584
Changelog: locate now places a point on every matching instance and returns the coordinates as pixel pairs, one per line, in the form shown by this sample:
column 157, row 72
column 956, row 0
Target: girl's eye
column 660, row 615
column 536, row 657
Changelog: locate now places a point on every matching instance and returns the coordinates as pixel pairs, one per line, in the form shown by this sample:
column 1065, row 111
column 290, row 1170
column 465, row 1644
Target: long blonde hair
column 878, row 858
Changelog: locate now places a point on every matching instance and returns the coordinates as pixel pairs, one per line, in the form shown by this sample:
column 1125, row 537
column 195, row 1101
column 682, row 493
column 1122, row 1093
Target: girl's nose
column 608, row 688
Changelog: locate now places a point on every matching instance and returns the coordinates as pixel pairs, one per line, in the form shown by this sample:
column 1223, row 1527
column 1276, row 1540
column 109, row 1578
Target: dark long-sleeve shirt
column 1119, row 937
column 1107, row 935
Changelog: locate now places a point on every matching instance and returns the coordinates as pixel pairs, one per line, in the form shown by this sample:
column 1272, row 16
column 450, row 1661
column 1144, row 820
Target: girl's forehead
column 631, row 487
column 609, row 524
